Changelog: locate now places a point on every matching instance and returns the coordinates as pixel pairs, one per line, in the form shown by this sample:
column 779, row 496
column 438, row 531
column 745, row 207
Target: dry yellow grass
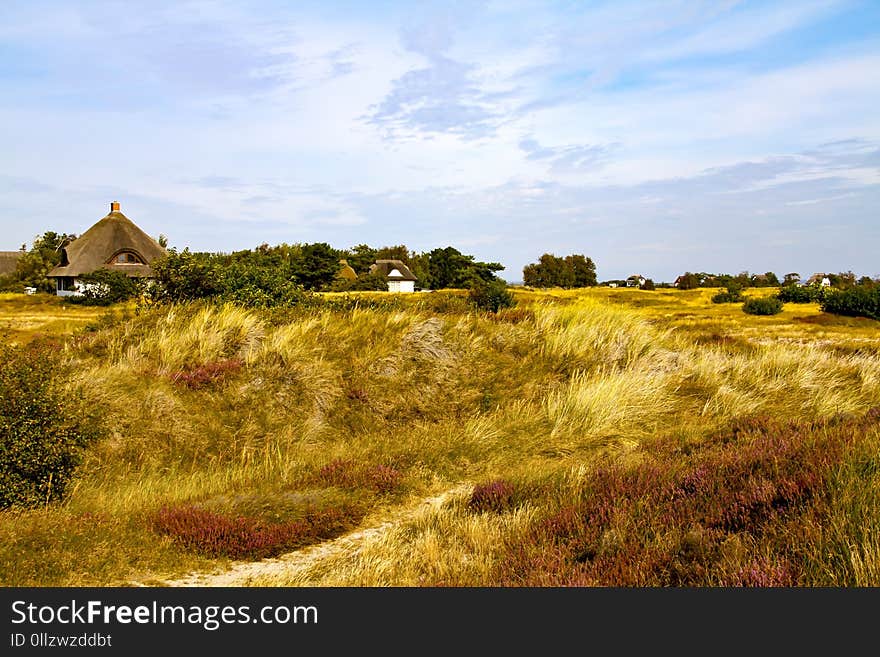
column 449, row 399
column 24, row 317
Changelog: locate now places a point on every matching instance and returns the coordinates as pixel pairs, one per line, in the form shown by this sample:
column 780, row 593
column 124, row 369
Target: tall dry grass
column 213, row 411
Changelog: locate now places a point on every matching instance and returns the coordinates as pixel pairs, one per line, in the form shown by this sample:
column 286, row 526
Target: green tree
column 583, row 270
column 768, row 279
column 449, row 268
column 688, row 281
column 398, row 252
column 360, row 258
column 185, row 276
column 317, row 266
column 575, row 270
column 45, row 253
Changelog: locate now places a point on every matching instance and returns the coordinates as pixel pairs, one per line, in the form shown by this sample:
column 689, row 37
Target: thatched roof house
column 9, row 261
column 114, row 243
column 398, row 275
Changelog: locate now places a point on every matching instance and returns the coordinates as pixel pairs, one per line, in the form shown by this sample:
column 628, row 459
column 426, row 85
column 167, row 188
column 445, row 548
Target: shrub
column 858, row 301
column 42, row 427
column 105, row 287
column 799, row 293
column 732, row 295
column 491, row 296
column 375, row 282
column 185, row 276
column 649, row 285
column 762, row 306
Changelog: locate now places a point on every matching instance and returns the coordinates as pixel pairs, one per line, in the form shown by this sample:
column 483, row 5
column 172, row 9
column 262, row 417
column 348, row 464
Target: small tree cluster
column 574, row 270
column 857, row 301
column 34, row 264
column 800, row 293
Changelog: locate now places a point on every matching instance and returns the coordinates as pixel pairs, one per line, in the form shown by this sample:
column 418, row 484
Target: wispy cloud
column 512, row 128
column 573, row 157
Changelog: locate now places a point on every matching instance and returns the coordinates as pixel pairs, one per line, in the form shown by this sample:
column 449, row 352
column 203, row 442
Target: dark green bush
column 185, row 276
column 732, row 295
column 858, row 301
column 491, row 296
column 363, row 283
column 799, row 293
column 762, row 306
column 43, row 427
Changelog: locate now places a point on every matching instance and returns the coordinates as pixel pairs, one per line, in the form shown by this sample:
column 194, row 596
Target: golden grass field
column 572, row 415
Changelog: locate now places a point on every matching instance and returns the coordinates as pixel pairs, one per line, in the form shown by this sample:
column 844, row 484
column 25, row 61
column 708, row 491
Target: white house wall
column 401, row 286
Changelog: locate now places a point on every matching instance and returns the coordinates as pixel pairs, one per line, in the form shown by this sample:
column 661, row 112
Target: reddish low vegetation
column 494, row 495
column 207, row 374
column 239, row 537
column 351, row 475
column 728, row 511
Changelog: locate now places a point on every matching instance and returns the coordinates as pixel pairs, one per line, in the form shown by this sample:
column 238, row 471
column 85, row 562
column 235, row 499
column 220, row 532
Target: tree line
column 691, row 280
column 265, row 275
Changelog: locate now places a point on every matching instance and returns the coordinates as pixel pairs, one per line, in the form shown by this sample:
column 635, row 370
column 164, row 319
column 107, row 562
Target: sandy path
column 243, row 573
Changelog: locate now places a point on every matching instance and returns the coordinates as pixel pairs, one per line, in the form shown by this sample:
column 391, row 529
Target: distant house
column 636, row 280
column 346, row 271
column 397, row 275
column 113, row 243
column 9, row 261
column 819, row 279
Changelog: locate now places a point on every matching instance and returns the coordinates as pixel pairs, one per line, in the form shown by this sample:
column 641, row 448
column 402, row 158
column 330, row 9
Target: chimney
column 114, row 206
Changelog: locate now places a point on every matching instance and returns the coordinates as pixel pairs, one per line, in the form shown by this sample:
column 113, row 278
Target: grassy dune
column 595, row 437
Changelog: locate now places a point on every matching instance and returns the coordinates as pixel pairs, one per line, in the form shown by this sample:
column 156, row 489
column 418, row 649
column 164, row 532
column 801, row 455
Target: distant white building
column 819, row 279
column 636, row 280
column 397, row 275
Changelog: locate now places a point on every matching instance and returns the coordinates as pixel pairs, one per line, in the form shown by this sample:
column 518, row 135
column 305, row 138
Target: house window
column 66, row 284
column 127, row 258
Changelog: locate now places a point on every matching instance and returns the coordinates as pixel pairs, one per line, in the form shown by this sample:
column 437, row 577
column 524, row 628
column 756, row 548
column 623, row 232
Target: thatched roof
column 9, row 261
column 99, row 246
column 346, row 271
column 393, row 270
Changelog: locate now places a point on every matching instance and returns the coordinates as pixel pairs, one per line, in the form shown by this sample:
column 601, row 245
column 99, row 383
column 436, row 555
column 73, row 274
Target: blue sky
column 654, row 137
